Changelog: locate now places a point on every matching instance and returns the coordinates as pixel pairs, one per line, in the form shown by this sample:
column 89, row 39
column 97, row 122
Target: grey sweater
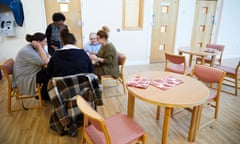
column 27, row 64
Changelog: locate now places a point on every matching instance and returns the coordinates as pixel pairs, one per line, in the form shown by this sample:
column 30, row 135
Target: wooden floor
column 31, row 127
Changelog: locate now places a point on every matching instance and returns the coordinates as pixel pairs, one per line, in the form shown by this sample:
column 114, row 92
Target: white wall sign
column 63, row 1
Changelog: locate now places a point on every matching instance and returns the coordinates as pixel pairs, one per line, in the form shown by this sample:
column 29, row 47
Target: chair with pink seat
column 117, row 129
column 232, row 76
column 208, row 59
column 210, row 75
column 176, row 63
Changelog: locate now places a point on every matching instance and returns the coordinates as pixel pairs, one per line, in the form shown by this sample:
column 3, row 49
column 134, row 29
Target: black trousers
column 42, row 78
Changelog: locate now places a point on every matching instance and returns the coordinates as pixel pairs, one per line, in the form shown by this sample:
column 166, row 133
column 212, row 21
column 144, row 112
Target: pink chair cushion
column 178, row 68
column 121, row 128
column 212, row 96
column 227, row 69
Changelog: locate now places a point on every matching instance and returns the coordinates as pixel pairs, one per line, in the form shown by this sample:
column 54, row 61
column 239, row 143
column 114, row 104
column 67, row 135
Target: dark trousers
column 42, row 77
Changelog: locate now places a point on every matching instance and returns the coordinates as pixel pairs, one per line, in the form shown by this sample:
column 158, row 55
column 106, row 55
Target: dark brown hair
column 67, row 37
column 35, row 37
column 103, row 33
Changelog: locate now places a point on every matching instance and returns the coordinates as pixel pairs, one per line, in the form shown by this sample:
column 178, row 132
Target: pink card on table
column 166, row 82
column 139, row 82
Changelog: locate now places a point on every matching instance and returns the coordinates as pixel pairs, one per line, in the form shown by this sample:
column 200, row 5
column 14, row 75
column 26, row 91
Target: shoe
column 98, row 102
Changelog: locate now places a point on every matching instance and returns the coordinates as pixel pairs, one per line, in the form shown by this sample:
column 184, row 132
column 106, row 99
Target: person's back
column 69, row 62
column 70, row 59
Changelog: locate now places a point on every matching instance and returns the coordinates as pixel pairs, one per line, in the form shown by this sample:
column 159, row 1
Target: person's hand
column 36, row 45
column 93, row 57
column 54, row 47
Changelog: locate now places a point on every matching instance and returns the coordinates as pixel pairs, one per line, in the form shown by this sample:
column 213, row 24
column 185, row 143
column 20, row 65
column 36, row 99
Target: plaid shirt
column 62, row 92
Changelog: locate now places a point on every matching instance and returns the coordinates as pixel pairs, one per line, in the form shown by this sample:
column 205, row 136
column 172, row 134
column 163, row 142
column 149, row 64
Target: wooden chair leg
column 9, row 100
column 124, row 86
column 158, row 112
column 236, row 86
column 39, row 95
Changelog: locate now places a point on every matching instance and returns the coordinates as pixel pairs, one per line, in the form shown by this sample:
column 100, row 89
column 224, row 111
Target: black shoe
column 98, row 102
column 72, row 130
column 63, row 133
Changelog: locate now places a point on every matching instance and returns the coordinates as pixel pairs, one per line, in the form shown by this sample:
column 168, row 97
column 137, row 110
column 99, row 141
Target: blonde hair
column 103, row 33
column 105, row 29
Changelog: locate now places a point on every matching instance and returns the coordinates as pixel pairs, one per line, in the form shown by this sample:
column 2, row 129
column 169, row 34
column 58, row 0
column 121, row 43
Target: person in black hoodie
column 70, row 59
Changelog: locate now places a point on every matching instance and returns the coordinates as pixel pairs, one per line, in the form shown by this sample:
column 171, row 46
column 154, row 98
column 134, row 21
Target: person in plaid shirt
column 65, row 116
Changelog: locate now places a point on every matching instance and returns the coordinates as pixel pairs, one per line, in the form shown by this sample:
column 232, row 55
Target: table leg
column 212, row 60
column 203, row 61
column 193, row 124
column 131, row 105
column 195, row 121
column 166, row 125
column 158, row 112
column 190, row 60
column 198, row 118
column 180, row 53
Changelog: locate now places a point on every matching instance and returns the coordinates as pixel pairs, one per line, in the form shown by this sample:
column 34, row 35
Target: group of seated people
column 33, row 64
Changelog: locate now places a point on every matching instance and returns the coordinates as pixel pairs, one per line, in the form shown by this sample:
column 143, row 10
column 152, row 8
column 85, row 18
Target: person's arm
column 50, row 68
column 48, row 34
column 108, row 54
column 40, row 51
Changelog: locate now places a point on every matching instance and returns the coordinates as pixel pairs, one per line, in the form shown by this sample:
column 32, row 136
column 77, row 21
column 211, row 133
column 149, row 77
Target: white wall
column 135, row 44
column 34, row 21
column 229, row 29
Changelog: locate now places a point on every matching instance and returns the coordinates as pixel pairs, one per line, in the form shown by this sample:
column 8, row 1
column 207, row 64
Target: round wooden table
column 190, row 93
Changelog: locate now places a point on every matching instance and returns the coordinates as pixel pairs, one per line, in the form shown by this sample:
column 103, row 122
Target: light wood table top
column 190, row 93
column 198, row 51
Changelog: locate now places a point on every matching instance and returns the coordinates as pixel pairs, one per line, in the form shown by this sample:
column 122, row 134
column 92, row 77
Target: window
column 132, row 14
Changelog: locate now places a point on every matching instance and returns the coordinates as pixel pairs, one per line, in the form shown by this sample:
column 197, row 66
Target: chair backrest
column 218, row 47
column 7, row 69
column 95, row 118
column 121, row 60
column 210, row 75
column 178, row 61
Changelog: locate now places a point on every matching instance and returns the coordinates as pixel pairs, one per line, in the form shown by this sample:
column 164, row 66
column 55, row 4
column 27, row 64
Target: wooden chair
column 210, row 75
column 117, row 129
column 7, row 69
column 176, row 63
column 121, row 62
column 208, row 60
column 232, row 76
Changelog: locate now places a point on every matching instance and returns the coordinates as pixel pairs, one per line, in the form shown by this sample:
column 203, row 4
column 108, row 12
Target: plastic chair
column 232, row 76
column 7, row 69
column 117, row 129
column 208, row 60
column 210, row 75
column 121, row 62
column 176, row 63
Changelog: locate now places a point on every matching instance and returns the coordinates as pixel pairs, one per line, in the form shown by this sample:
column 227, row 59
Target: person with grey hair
column 92, row 47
